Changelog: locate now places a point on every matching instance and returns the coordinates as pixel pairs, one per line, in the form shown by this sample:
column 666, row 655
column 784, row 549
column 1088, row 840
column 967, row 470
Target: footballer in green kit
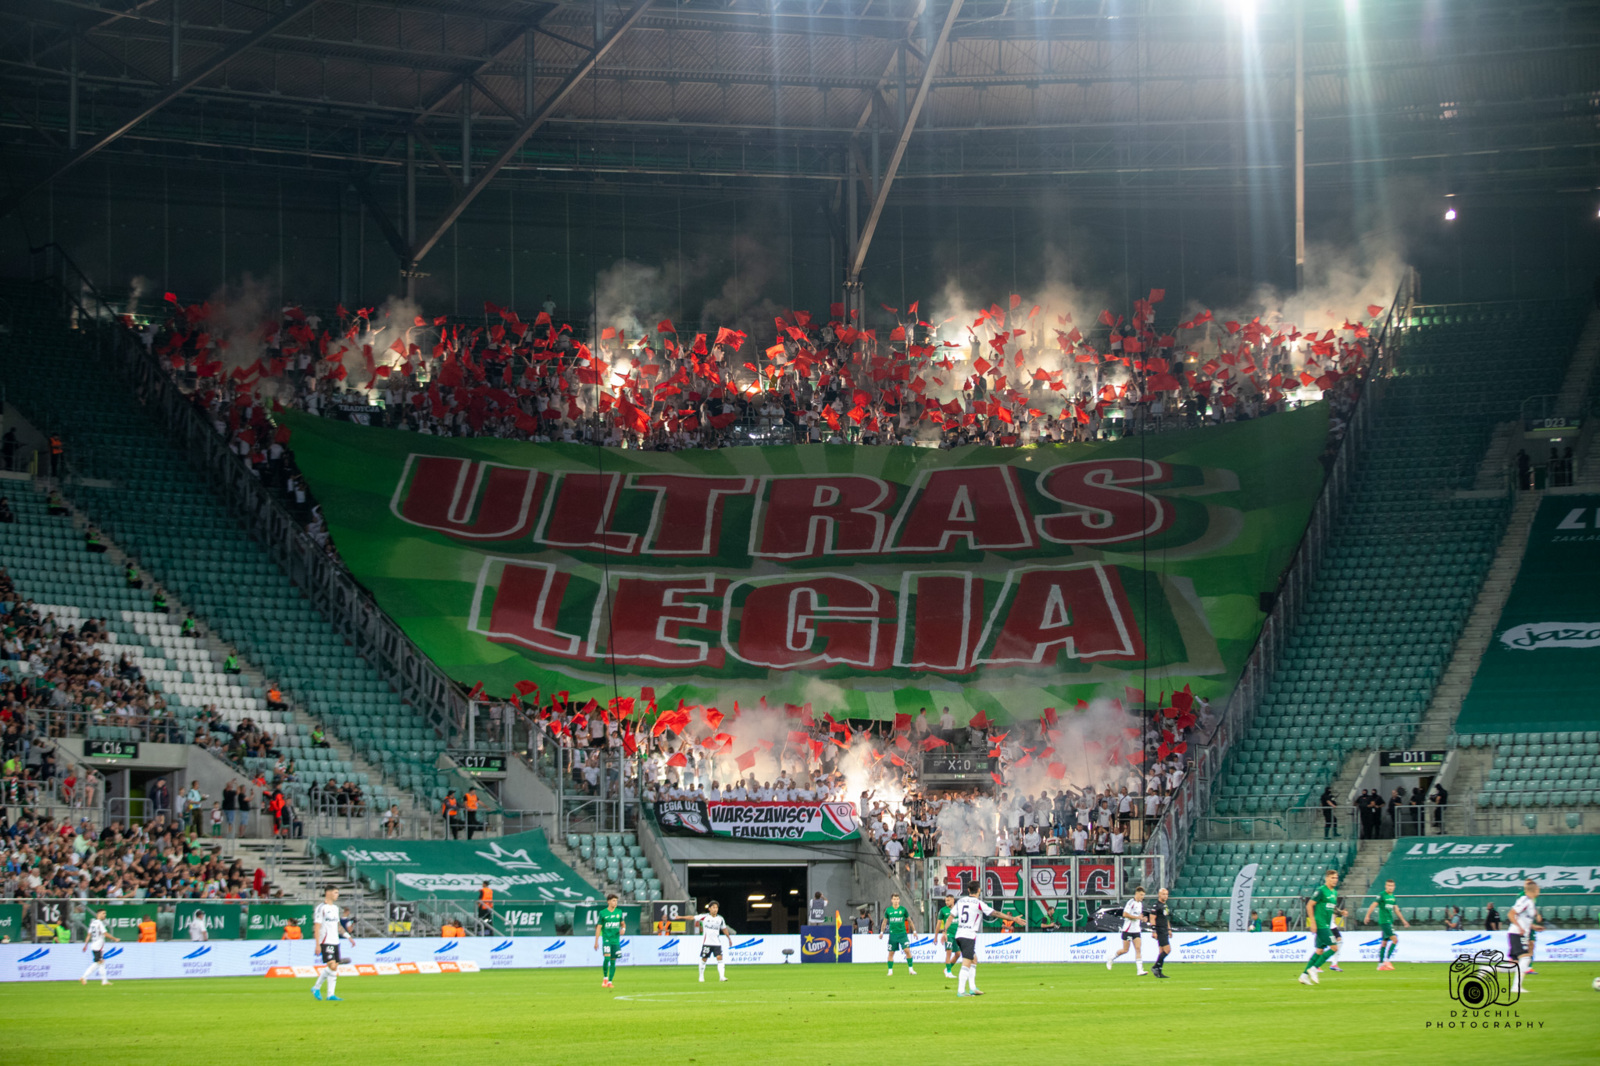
column 947, row 925
column 608, row 939
column 1388, row 910
column 897, row 927
column 1319, row 919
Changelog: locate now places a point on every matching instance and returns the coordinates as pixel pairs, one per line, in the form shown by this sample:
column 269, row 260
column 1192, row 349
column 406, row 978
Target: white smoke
column 236, row 317
column 632, row 297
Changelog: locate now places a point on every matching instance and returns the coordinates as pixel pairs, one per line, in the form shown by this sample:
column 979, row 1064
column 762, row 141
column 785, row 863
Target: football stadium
column 1162, row 435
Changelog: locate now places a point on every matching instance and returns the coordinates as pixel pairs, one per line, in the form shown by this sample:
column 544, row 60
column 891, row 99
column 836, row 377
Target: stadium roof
column 1182, row 97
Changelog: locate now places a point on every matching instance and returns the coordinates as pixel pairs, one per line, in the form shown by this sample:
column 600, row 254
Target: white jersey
column 713, row 927
column 97, row 935
column 970, row 912
column 1132, row 912
column 1522, row 913
column 327, row 923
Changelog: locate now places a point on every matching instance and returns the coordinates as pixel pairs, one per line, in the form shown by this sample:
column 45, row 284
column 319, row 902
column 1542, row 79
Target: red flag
column 747, row 760
column 1057, row 771
column 930, row 743
column 525, row 687
column 712, row 717
column 902, row 722
column 679, row 759
column 979, row 721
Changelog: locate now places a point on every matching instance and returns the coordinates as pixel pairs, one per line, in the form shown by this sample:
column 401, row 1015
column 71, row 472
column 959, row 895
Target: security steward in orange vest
column 485, row 901
column 147, row 930
column 452, row 814
column 471, row 800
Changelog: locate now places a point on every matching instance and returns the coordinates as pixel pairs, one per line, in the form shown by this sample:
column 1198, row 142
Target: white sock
column 972, row 977
column 105, row 978
column 722, row 970
column 90, row 971
column 321, row 976
column 961, row 981
column 1139, row 965
column 332, row 979
column 702, row 969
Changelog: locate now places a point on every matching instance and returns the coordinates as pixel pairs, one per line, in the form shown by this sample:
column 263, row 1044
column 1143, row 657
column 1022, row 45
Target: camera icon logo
column 1487, row 979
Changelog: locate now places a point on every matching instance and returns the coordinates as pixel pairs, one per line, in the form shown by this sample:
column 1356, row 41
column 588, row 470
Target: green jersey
column 944, row 916
column 1323, row 902
column 897, row 921
column 611, row 925
column 1386, row 908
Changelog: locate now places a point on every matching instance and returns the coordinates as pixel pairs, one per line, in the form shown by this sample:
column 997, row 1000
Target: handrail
column 330, row 588
column 1175, row 828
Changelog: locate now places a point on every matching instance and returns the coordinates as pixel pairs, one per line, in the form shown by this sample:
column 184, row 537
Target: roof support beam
column 505, row 41
column 536, row 120
column 178, row 87
column 386, row 226
column 864, row 242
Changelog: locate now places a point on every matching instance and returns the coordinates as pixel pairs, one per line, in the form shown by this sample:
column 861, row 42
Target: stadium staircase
column 1401, row 578
column 136, row 487
column 1370, row 858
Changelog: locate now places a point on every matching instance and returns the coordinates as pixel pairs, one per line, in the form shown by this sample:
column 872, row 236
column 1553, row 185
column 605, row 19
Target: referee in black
column 1161, row 917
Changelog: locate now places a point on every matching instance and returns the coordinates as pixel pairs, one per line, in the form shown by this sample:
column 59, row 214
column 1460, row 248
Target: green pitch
column 843, row 1015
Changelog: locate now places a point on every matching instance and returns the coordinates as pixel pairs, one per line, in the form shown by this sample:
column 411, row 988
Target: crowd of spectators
column 47, row 858
column 1014, row 376
column 1026, row 807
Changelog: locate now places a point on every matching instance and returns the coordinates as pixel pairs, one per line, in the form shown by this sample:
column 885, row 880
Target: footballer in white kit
column 1132, row 931
column 968, row 916
column 326, row 935
column 713, row 931
column 1524, row 915
column 95, row 941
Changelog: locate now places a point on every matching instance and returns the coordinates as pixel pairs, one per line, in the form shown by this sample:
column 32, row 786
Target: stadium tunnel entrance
column 753, row 899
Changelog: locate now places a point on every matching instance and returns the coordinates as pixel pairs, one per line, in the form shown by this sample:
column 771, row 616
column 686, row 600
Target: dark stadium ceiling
column 1098, row 95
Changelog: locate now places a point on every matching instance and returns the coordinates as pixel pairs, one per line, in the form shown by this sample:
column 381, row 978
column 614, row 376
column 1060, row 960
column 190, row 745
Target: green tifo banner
column 1538, row 673
column 1493, row 866
column 518, row 867
column 1007, row 579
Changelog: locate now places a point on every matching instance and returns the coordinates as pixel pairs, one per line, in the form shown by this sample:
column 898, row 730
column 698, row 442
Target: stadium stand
column 1407, row 557
column 1287, row 872
column 1540, row 769
column 139, row 490
column 1404, row 565
column 617, row 859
